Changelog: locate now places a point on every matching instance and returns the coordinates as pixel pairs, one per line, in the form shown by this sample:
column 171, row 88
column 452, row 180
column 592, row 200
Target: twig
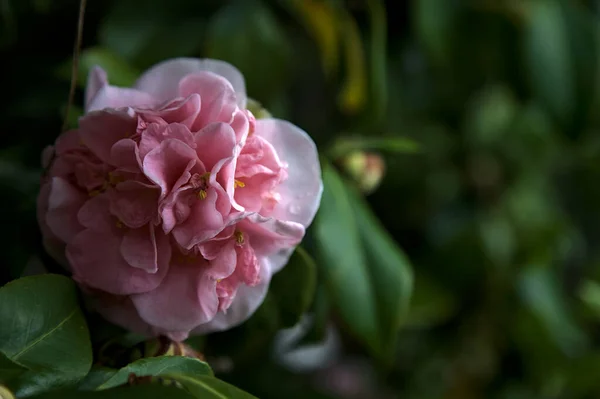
column 75, row 66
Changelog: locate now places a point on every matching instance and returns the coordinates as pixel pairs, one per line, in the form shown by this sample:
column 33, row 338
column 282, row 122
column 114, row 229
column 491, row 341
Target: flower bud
column 366, row 169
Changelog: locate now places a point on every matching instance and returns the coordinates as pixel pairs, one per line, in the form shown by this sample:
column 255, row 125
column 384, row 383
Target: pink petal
column 95, row 215
column 169, row 164
column 247, row 300
column 156, row 134
column 217, row 94
column 134, row 203
column 97, row 79
column 144, row 249
column 301, row 191
column 184, row 111
column 125, row 155
column 64, row 201
column 100, row 130
column 185, row 299
column 272, row 238
column 97, row 262
column 119, row 97
column 204, row 222
column 214, row 143
column 162, row 80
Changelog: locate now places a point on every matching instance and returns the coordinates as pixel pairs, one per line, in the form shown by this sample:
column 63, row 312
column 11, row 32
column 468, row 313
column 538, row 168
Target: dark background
column 497, row 209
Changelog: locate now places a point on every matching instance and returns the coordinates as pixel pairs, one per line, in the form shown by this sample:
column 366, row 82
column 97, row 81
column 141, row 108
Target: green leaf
column 150, row 391
column 248, row 35
column 207, row 387
column 548, row 58
column 368, row 277
column 390, row 274
column 9, row 369
column 343, row 261
column 431, row 303
column 43, row 329
column 294, row 287
column 96, row 377
column 158, row 366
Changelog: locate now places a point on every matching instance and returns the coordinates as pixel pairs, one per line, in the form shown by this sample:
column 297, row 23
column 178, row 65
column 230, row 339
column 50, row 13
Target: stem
column 75, row 66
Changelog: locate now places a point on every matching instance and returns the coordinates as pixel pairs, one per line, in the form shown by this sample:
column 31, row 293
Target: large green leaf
column 390, row 274
column 294, row 287
column 150, row 391
column 43, row 329
column 157, row 366
column 206, row 387
column 9, row 369
column 368, row 277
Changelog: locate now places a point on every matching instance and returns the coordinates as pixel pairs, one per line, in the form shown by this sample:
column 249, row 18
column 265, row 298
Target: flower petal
column 97, row 79
column 169, row 163
column 162, row 80
column 247, row 300
column 185, row 299
column 100, row 130
column 125, row 155
column 145, row 249
column 119, row 97
column 134, row 203
column 203, row 222
column 217, row 95
column 301, row 191
column 215, row 142
column 96, row 263
column 64, row 201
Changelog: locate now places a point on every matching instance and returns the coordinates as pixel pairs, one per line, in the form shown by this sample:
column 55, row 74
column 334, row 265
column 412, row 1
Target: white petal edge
column 162, row 80
column 301, row 191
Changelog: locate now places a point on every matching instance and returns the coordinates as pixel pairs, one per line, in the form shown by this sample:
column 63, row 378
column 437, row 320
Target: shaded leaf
column 368, row 276
column 43, row 329
column 293, row 288
column 157, row 366
column 9, row 369
column 151, row 391
column 210, row 387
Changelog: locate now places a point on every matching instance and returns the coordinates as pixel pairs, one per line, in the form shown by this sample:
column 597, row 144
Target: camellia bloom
column 171, row 204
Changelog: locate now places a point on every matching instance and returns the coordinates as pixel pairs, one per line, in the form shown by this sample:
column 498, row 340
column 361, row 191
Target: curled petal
column 203, row 222
column 247, row 300
column 169, row 164
column 145, row 249
column 162, row 80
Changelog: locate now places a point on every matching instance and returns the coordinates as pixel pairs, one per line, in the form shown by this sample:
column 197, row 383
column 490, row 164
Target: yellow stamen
column 201, row 194
column 239, row 237
column 119, row 224
column 205, row 176
column 93, row 193
column 238, row 183
column 113, row 179
column 219, row 280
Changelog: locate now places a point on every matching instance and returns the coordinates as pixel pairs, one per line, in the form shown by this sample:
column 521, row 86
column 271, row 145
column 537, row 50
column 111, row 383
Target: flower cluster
column 171, row 204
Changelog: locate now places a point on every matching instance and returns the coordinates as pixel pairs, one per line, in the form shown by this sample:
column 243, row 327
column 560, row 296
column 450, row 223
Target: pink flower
column 171, row 205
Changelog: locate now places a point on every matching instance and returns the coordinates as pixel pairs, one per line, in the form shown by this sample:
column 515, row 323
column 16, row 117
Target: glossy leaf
column 150, row 391
column 293, row 288
column 43, row 329
column 9, row 369
column 207, row 387
column 158, row 366
column 390, row 274
column 368, row 277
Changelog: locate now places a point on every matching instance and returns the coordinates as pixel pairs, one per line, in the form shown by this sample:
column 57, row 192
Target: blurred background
column 455, row 254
